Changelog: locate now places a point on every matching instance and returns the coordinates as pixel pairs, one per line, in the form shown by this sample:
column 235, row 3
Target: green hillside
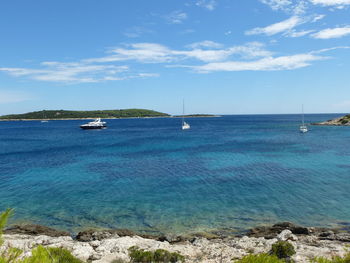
column 64, row 114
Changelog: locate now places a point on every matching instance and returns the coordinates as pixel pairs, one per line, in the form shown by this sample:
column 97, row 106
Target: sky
column 220, row 56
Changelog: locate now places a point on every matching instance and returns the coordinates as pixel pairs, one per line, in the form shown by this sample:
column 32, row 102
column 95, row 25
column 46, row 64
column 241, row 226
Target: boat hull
column 92, row 127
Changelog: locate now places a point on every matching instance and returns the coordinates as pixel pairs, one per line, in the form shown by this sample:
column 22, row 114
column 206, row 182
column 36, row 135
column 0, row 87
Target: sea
column 228, row 173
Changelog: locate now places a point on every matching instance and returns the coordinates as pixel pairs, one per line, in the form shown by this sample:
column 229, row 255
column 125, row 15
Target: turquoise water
column 148, row 175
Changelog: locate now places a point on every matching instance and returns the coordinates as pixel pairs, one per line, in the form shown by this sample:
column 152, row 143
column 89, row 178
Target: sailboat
column 185, row 125
column 303, row 128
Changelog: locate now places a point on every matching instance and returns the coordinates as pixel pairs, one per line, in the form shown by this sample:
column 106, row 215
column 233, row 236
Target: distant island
column 342, row 121
column 196, row 116
column 67, row 114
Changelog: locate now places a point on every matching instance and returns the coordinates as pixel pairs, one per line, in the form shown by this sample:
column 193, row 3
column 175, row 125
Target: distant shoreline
column 92, row 118
column 341, row 121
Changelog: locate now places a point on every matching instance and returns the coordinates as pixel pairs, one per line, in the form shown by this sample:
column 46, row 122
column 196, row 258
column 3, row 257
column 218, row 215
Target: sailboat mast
column 302, row 110
column 183, row 111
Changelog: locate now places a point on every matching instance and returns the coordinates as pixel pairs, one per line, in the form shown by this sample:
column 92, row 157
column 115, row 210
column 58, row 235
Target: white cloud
column 156, row 53
column 302, row 33
column 280, row 27
column 176, row 17
column 205, row 44
column 74, row 72
column 332, row 33
column 329, row 49
column 277, row 4
column 202, row 57
column 297, row 7
column 318, row 17
column 330, row 2
column 7, row 96
column 208, row 4
column 264, row 64
column 268, row 63
column 141, row 52
column 67, row 72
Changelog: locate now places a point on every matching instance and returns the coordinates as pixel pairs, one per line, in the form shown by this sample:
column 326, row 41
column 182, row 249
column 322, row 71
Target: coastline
column 104, row 246
column 75, row 119
column 341, row 121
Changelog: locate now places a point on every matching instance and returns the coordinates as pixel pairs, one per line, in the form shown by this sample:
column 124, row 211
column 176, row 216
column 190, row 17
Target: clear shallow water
column 149, row 175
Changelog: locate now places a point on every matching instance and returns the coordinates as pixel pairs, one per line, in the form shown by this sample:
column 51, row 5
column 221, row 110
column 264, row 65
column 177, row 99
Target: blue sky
column 221, row 56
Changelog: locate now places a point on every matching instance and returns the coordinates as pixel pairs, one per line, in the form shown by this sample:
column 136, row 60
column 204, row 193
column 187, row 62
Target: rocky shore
column 342, row 121
column 105, row 246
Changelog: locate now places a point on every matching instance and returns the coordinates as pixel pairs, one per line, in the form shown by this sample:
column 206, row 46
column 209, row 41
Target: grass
column 337, row 259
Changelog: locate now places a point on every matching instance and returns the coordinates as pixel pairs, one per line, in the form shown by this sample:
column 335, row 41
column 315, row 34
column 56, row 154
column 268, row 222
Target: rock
column 95, row 256
column 299, row 230
column 82, row 251
column 344, row 237
column 171, row 238
column 124, row 232
column 105, row 246
column 272, row 231
column 95, row 243
column 286, row 235
column 326, row 234
column 32, row 229
column 92, row 235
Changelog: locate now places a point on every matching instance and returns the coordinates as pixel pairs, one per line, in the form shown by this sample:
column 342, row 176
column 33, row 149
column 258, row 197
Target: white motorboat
column 96, row 124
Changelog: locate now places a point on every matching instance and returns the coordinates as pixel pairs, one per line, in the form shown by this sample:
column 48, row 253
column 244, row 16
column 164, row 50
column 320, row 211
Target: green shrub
column 138, row 255
column 3, row 221
column 282, row 249
column 260, row 258
column 337, row 259
column 344, row 121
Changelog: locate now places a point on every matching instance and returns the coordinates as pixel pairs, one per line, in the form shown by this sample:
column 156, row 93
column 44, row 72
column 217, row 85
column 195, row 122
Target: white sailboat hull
column 186, row 126
column 303, row 129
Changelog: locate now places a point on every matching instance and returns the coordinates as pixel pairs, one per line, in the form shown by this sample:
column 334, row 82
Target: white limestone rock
column 286, row 235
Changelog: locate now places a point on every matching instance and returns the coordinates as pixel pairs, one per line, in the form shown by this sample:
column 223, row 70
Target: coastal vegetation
column 38, row 255
column 336, row 259
column 66, row 114
column 342, row 121
column 345, row 120
column 138, row 255
column 282, row 250
column 195, row 115
column 260, row 258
